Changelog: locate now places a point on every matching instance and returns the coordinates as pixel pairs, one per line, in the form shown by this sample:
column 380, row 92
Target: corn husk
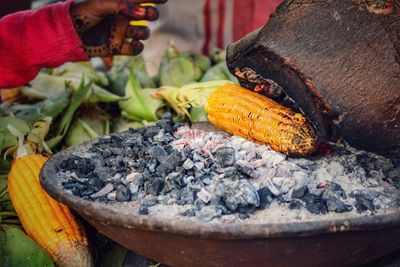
column 141, row 106
column 188, row 96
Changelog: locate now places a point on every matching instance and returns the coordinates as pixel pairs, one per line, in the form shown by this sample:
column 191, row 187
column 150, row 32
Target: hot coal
column 212, row 175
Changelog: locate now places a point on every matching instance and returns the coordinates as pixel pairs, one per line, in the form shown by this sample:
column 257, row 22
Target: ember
column 214, row 175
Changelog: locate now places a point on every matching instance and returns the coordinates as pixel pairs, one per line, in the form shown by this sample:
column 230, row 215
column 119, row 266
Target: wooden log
column 339, row 61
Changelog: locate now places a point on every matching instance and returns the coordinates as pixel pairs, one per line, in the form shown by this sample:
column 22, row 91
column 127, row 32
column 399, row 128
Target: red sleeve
column 32, row 40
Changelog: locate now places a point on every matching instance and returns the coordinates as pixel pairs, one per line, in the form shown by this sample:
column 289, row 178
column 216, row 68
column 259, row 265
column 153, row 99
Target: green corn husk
column 122, row 124
column 119, row 73
column 219, row 72
column 17, row 249
column 45, row 86
column 55, row 105
column 77, row 99
column 88, row 125
column 141, row 105
column 79, row 69
column 178, row 69
column 7, row 139
column 217, row 55
column 188, row 96
column 198, row 115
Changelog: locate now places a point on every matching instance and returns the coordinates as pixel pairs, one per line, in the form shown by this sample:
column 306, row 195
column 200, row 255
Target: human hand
column 103, row 25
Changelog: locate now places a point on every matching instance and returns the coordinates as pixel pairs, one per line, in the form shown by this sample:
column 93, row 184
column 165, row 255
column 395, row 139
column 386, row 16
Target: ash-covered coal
column 213, row 175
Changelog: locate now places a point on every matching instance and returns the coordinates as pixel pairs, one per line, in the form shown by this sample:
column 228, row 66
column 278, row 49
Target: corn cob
column 49, row 223
column 258, row 118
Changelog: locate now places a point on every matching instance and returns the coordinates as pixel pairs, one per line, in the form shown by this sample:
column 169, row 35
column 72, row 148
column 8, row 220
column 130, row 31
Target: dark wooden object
column 339, row 62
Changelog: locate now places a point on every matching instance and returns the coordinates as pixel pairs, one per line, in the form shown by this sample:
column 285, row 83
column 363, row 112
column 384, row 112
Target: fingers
column 138, row 33
column 137, row 12
column 132, row 48
column 117, row 35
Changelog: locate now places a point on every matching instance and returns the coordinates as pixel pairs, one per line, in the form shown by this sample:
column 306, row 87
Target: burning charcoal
column 158, row 153
column 265, row 196
column 295, row 205
column 188, row 164
column 315, row 204
column 122, row 193
column 300, row 192
column 225, row 156
column 188, row 213
column 143, row 210
column 156, row 186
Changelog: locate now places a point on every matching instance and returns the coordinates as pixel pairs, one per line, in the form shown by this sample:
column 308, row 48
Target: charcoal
column 186, row 197
column 188, row 213
column 334, row 204
column 315, row 204
column 151, row 165
column 188, row 164
column 156, row 186
column 133, row 188
column 204, row 196
column 96, row 183
column 338, row 189
column 171, row 162
column 208, row 213
column 158, row 153
column 300, row 192
column 225, row 156
column 295, row 205
column 104, row 140
column 243, row 216
column 244, row 169
column 150, row 202
column 243, row 194
column 151, row 132
column 265, row 196
column 186, row 153
column 122, row 193
column 363, row 202
column 143, row 210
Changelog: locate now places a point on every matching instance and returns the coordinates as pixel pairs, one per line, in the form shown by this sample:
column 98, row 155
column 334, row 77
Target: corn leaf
column 17, row 249
column 7, row 139
column 141, row 105
column 46, row 85
column 65, row 123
